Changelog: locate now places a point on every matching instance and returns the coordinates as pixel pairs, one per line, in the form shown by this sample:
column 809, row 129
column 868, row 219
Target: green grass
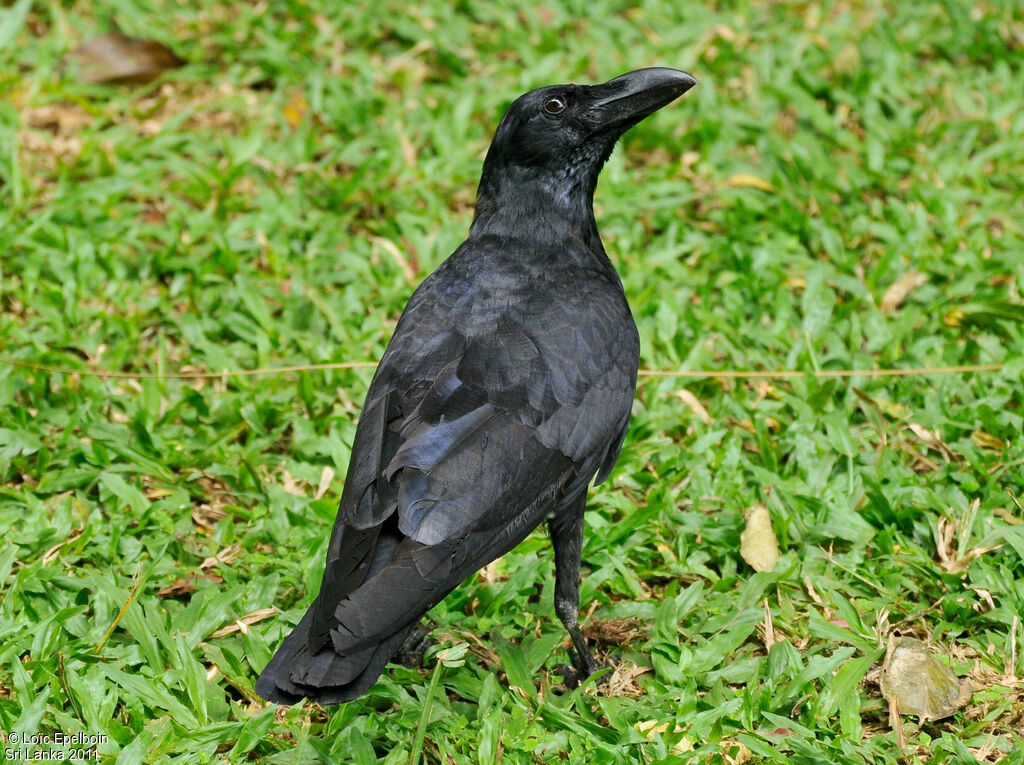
column 276, row 201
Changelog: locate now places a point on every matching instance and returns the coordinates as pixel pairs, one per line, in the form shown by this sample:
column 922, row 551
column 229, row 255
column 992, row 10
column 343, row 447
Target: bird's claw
column 415, row 648
column 576, row 675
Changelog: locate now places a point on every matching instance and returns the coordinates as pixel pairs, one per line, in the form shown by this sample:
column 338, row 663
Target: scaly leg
column 567, row 538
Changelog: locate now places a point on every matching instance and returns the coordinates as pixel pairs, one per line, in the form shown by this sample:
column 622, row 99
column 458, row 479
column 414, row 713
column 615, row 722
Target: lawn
column 842, row 191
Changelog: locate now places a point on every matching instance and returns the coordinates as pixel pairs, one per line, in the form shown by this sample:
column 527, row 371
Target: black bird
column 505, row 389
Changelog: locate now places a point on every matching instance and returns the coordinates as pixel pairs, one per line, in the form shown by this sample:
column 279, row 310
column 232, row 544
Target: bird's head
column 556, row 139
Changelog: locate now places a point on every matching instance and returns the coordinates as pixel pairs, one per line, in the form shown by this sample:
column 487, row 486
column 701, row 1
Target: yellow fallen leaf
column 759, row 546
column 651, row 728
column 295, row 110
column 987, row 441
column 892, row 409
column 749, row 180
column 954, row 318
column 735, row 753
column 900, row 289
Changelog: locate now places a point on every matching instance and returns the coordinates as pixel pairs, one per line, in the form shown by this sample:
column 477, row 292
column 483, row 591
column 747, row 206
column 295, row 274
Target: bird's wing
column 494, row 401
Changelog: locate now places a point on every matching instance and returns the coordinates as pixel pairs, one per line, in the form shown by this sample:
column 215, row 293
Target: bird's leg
column 567, row 538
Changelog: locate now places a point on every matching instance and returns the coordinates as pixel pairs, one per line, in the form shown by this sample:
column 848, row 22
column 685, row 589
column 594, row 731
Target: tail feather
column 327, row 677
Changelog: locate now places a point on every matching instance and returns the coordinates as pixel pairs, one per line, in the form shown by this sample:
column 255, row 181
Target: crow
column 505, row 389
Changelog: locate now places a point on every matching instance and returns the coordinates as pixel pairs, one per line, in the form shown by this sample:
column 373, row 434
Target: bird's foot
column 577, row 674
column 415, row 647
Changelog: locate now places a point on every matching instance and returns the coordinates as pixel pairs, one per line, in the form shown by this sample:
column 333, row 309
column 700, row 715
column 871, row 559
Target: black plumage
column 504, row 391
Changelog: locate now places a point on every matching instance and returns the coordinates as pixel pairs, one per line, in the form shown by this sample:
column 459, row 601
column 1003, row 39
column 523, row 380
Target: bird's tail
column 325, row 676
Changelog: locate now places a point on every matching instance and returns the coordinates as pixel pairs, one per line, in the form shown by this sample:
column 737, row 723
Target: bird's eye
column 554, row 105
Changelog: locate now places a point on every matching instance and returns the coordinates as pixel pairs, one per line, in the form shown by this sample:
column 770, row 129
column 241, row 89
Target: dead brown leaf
column 987, row 442
column 986, row 596
column 897, row 723
column 932, row 440
column 184, row 585
column 811, row 591
column 919, row 462
column 65, row 147
column 206, row 516
column 491, row 573
column 51, row 555
column 326, row 476
column 1006, row 515
column 408, row 149
column 945, row 547
column 767, row 628
column 58, row 118
column 242, row 625
column 951, row 546
column 181, row 586
column 223, row 557
column 785, row 121
column 118, row 58
column 215, row 489
column 618, row 632
column 477, row 646
column 694, row 404
column 400, row 258
column 622, row 681
column 747, row 425
column 291, row 484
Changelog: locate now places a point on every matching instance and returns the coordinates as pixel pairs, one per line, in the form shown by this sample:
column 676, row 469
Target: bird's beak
column 618, row 104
